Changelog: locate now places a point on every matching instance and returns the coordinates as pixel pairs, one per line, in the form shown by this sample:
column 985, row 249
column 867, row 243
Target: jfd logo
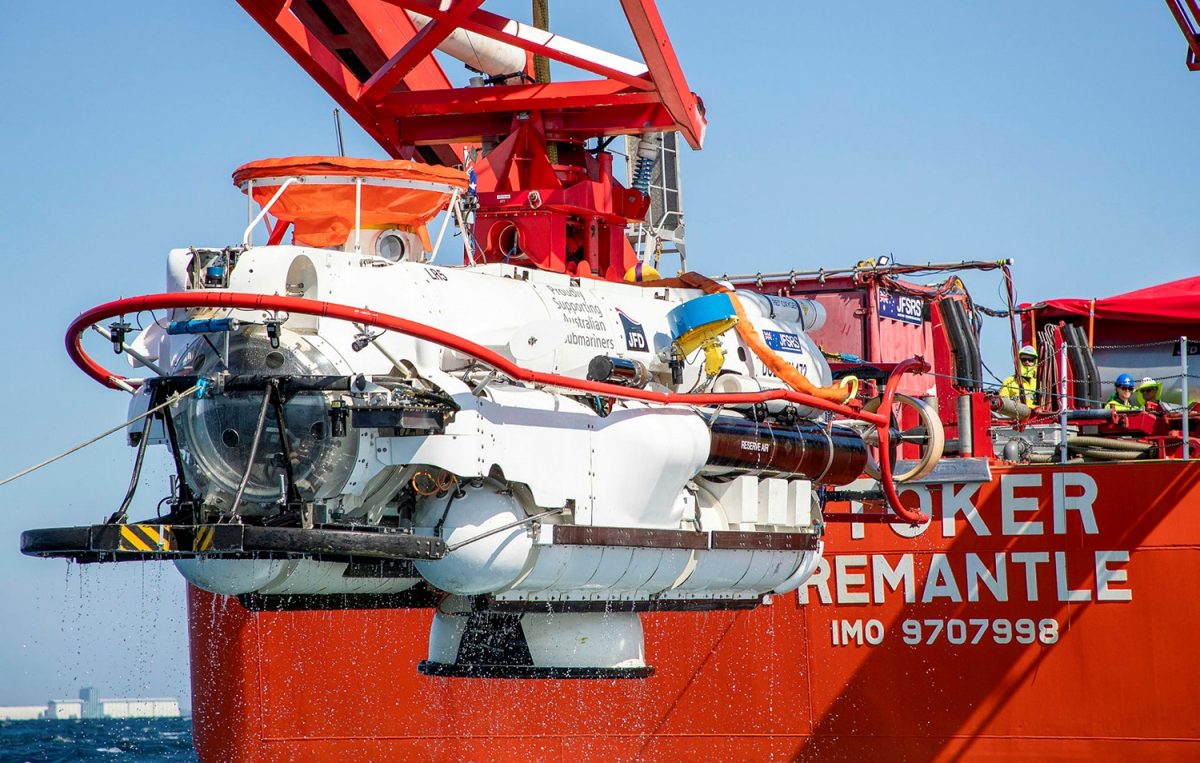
column 635, row 335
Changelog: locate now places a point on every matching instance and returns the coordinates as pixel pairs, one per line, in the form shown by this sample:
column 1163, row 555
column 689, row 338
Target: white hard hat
column 1027, row 349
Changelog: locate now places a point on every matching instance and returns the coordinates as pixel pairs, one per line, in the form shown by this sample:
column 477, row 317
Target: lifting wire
column 173, row 399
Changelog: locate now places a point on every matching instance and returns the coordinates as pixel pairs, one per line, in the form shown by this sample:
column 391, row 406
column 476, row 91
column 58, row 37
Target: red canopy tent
column 1174, row 302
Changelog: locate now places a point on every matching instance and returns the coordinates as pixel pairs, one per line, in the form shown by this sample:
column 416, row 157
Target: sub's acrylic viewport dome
column 216, row 431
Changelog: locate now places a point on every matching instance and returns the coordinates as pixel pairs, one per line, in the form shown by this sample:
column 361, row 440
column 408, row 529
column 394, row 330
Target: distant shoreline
column 187, row 717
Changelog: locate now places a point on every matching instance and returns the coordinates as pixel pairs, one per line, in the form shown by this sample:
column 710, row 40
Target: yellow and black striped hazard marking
column 203, row 539
column 146, row 538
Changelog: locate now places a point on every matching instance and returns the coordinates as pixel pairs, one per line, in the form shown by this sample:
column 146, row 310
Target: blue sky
column 838, row 132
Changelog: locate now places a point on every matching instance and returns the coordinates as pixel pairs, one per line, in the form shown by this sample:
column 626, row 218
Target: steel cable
column 173, row 399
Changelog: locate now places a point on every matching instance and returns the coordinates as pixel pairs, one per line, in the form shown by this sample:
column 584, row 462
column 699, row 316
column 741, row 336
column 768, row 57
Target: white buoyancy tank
column 487, row 562
column 230, row 577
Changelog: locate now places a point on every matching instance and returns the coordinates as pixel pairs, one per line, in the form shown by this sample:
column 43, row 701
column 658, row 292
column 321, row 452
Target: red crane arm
column 651, row 36
column 1187, row 15
column 409, row 57
column 545, row 195
column 339, row 44
column 377, row 63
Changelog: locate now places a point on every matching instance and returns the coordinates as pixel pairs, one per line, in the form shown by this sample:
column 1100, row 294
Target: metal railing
column 1184, row 376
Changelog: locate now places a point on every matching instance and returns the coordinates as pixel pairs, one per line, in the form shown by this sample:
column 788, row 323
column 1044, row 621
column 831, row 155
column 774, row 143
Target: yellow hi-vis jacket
column 1139, row 394
column 1115, row 403
column 1010, row 389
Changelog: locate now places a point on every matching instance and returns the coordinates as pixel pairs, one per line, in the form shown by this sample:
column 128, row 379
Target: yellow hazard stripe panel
column 203, row 539
column 145, row 538
column 131, row 541
column 150, row 533
column 159, row 536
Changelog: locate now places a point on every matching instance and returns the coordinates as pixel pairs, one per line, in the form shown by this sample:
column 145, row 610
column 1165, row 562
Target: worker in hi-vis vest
column 1148, row 394
column 1122, row 397
column 1027, row 357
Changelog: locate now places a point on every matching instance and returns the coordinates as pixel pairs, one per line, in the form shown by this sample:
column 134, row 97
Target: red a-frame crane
column 1187, row 15
column 547, row 198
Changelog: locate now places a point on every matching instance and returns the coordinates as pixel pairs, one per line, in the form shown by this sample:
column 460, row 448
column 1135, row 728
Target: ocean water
column 134, row 740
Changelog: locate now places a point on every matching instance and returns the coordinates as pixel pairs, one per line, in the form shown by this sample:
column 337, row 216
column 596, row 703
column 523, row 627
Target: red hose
column 886, row 481
column 269, row 303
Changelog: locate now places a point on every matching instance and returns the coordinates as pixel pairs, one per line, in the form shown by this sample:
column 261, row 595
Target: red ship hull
column 1049, row 614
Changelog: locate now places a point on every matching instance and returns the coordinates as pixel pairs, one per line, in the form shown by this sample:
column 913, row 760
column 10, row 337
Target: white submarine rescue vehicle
column 544, row 456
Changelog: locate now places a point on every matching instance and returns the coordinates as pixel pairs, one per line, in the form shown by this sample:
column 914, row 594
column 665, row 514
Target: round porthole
column 391, row 246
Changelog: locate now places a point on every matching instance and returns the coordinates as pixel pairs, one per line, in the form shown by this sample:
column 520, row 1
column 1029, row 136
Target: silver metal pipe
column 258, row 430
column 131, row 352
column 1062, row 400
column 1008, row 407
column 357, row 215
column 890, row 268
column 1183, row 366
column 966, row 434
column 502, row 528
column 337, row 128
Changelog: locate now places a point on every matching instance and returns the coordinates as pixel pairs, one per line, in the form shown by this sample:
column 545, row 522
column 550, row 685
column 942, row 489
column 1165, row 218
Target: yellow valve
column 714, row 356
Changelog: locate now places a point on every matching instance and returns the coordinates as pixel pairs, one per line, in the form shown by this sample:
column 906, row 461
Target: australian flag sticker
column 635, row 335
column 781, row 341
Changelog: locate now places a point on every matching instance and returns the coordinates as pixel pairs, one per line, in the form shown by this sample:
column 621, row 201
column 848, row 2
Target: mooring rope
column 170, row 401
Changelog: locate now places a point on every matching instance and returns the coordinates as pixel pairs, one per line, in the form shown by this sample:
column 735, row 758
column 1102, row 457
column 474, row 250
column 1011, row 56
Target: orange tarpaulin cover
column 322, row 214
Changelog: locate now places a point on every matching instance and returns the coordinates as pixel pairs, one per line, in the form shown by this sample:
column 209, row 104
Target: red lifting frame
column 371, row 58
column 1187, row 15
column 274, row 304
column 545, row 201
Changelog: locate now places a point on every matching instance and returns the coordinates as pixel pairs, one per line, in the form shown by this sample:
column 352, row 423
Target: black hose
column 293, row 494
column 971, row 345
column 1087, row 385
column 1095, row 388
column 119, row 515
column 963, row 347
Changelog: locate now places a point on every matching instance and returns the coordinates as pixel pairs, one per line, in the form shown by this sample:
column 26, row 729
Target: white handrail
column 445, row 224
column 1183, row 367
column 1062, row 402
column 266, row 208
column 366, row 180
column 468, row 239
column 358, row 215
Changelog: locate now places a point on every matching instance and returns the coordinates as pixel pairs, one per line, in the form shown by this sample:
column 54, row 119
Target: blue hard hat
column 1124, row 380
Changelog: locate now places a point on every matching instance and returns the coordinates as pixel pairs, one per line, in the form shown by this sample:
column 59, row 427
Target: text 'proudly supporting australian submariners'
column 1018, row 574
column 576, row 310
